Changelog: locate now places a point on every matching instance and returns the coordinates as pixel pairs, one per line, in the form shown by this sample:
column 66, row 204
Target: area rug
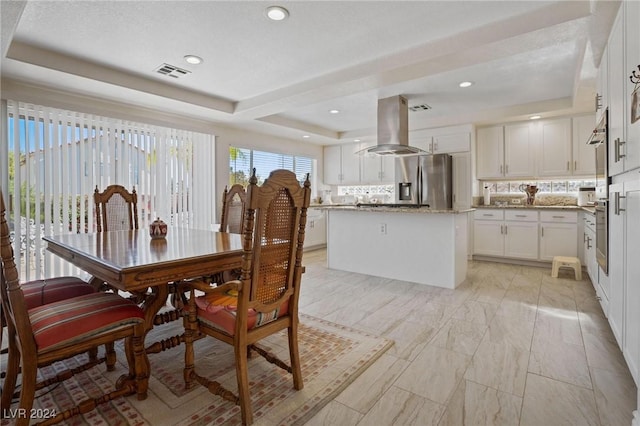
column 332, row 357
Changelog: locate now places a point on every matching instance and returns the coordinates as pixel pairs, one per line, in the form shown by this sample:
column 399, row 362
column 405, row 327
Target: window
column 242, row 161
column 54, row 159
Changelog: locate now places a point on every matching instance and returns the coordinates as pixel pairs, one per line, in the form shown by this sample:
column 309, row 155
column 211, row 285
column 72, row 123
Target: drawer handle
column 521, row 215
column 485, row 214
column 558, row 217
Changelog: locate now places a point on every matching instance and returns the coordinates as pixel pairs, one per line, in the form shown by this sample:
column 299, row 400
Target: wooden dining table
column 134, row 262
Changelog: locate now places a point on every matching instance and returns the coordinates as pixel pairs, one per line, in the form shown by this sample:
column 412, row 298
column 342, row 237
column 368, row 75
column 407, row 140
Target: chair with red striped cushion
column 265, row 299
column 43, row 334
column 40, row 292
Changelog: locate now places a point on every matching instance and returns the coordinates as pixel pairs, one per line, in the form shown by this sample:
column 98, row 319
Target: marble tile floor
column 510, row 346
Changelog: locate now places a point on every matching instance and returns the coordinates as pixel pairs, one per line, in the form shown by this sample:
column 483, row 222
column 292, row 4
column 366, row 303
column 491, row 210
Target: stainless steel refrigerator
column 425, row 180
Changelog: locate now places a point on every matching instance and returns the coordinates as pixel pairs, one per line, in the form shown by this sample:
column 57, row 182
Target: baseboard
column 536, row 263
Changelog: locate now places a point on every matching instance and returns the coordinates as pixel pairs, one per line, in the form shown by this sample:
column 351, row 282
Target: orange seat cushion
column 219, row 310
column 64, row 322
column 42, row 292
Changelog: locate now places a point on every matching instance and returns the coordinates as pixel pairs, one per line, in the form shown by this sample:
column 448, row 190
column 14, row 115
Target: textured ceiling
column 524, row 57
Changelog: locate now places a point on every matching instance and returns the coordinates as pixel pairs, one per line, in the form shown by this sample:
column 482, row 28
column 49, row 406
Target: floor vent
column 422, row 107
column 172, row 71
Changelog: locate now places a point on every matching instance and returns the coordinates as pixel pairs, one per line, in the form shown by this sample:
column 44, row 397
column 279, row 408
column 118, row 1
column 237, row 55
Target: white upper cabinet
column 632, row 61
column 584, row 156
column 490, row 153
column 377, row 169
column 449, row 144
column 518, row 151
column 617, row 78
column 555, row 147
column 442, row 143
column 342, row 165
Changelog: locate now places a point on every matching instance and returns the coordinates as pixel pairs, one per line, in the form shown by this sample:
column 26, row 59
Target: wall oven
column 600, row 138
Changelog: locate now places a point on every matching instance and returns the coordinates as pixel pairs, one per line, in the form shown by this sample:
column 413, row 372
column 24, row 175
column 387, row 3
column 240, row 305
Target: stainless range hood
column 393, row 128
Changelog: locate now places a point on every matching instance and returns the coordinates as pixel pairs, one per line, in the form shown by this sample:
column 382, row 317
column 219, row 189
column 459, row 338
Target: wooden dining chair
column 41, row 335
column 116, row 208
column 265, row 300
column 41, row 292
column 231, row 220
column 233, row 204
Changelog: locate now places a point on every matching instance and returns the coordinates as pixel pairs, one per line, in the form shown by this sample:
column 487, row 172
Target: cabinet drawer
column 589, row 222
column 559, row 216
column 488, row 214
column 521, row 215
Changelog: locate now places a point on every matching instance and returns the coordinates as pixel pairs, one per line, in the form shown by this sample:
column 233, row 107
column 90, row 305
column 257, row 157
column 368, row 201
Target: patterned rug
column 332, row 357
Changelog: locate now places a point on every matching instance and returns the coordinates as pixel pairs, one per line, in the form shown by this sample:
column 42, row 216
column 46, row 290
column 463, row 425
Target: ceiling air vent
column 422, row 107
column 172, row 71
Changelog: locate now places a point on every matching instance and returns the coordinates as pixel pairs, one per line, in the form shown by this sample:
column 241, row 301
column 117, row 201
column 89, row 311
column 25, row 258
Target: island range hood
column 393, row 128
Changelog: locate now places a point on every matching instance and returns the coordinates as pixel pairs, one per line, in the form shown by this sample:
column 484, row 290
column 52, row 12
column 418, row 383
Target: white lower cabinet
column 558, row 234
column 315, row 233
column 616, row 264
column 488, row 238
column 589, row 247
column 523, row 234
column 511, row 234
column 629, row 210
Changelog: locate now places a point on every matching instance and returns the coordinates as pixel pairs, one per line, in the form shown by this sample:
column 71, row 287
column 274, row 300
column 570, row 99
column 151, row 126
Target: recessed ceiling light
column 534, row 117
column 306, row 136
column 466, row 84
column 334, row 111
column 277, row 13
column 356, row 140
column 193, row 59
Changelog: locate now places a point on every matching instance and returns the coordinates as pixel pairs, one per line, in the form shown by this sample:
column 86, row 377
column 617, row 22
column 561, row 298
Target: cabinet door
column 316, row 229
column 601, row 83
column 632, row 46
column 555, row 147
column 388, row 172
column 351, row 163
column 590, row 255
column 332, row 165
column 490, row 155
column 558, row 239
column 617, row 83
column 518, row 151
column 616, row 262
column 461, row 181
column 371, row 168
column 488, row 238
column 521, row 240
column 584, row 155
column 425, row 143
column 459, row 142
column 631, row 328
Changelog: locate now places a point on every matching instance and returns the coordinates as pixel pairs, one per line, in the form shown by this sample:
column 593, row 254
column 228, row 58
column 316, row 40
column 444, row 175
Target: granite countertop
column 421, row 210
column 537, row 207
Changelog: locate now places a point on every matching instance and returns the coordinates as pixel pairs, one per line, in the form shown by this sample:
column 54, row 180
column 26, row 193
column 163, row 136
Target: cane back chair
column 231, row 220
column 265, row 299
column 42, row 335
column 116, row 208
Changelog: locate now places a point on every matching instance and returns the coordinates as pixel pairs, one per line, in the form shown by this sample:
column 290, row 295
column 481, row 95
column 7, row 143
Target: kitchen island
column 419, row 245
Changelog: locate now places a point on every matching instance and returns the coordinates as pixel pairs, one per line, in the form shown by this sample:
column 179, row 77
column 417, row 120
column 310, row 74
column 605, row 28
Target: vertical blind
column 242, row 161
column 56, row 159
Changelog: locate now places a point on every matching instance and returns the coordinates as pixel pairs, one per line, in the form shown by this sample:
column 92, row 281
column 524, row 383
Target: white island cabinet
column 417, row 245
